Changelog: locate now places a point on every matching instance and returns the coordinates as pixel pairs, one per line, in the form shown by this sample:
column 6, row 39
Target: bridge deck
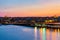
column 52, row 23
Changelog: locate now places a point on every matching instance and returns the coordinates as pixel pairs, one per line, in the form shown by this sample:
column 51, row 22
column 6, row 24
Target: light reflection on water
column 42, row 34
column 35, row 31
column 49, row 34
column 12, row 32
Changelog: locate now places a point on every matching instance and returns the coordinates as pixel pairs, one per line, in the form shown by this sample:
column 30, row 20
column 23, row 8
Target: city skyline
column 28, row 8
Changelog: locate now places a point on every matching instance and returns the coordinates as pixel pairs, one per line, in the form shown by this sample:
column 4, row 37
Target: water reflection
column 35, row 31
column 49, row 34
column 42, row 33
column 12, row 32
column 58, row 34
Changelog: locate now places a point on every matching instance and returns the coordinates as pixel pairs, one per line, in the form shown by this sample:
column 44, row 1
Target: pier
column 49, row 25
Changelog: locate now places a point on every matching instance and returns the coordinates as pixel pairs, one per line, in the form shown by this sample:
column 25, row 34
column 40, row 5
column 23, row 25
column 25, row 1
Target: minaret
column 55, row 16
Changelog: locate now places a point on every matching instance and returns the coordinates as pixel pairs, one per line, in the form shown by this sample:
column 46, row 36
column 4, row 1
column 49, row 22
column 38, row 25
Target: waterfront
column 14, row 32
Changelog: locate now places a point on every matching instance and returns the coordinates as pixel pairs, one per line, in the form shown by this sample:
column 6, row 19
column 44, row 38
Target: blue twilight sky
column 9, row 3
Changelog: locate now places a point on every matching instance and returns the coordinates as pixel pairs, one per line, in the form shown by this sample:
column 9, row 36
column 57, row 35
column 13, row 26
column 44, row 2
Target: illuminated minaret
column 55, row 18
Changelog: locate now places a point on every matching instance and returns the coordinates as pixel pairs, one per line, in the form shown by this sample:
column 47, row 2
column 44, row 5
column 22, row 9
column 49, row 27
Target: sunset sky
column 27, row 8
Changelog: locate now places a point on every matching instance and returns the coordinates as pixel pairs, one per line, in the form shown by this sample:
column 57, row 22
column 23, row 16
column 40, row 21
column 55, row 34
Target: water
column 13, row 32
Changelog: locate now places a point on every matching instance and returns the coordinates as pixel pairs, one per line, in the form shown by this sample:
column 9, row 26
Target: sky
column 29, row 8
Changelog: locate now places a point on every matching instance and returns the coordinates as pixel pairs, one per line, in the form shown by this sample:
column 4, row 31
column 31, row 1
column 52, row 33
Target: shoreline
column 34, row 26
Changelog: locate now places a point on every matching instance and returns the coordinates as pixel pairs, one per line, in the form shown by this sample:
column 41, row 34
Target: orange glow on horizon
column 34, row 11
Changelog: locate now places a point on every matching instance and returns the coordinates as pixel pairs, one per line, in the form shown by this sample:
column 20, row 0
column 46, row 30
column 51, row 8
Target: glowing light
column 35, row 31
column 48, row 34
column 40, row 33
column 54, row 35
column 58, row 36
column 44, row 34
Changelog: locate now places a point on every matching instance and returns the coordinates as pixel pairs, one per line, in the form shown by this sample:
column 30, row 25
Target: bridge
column 54, row 23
